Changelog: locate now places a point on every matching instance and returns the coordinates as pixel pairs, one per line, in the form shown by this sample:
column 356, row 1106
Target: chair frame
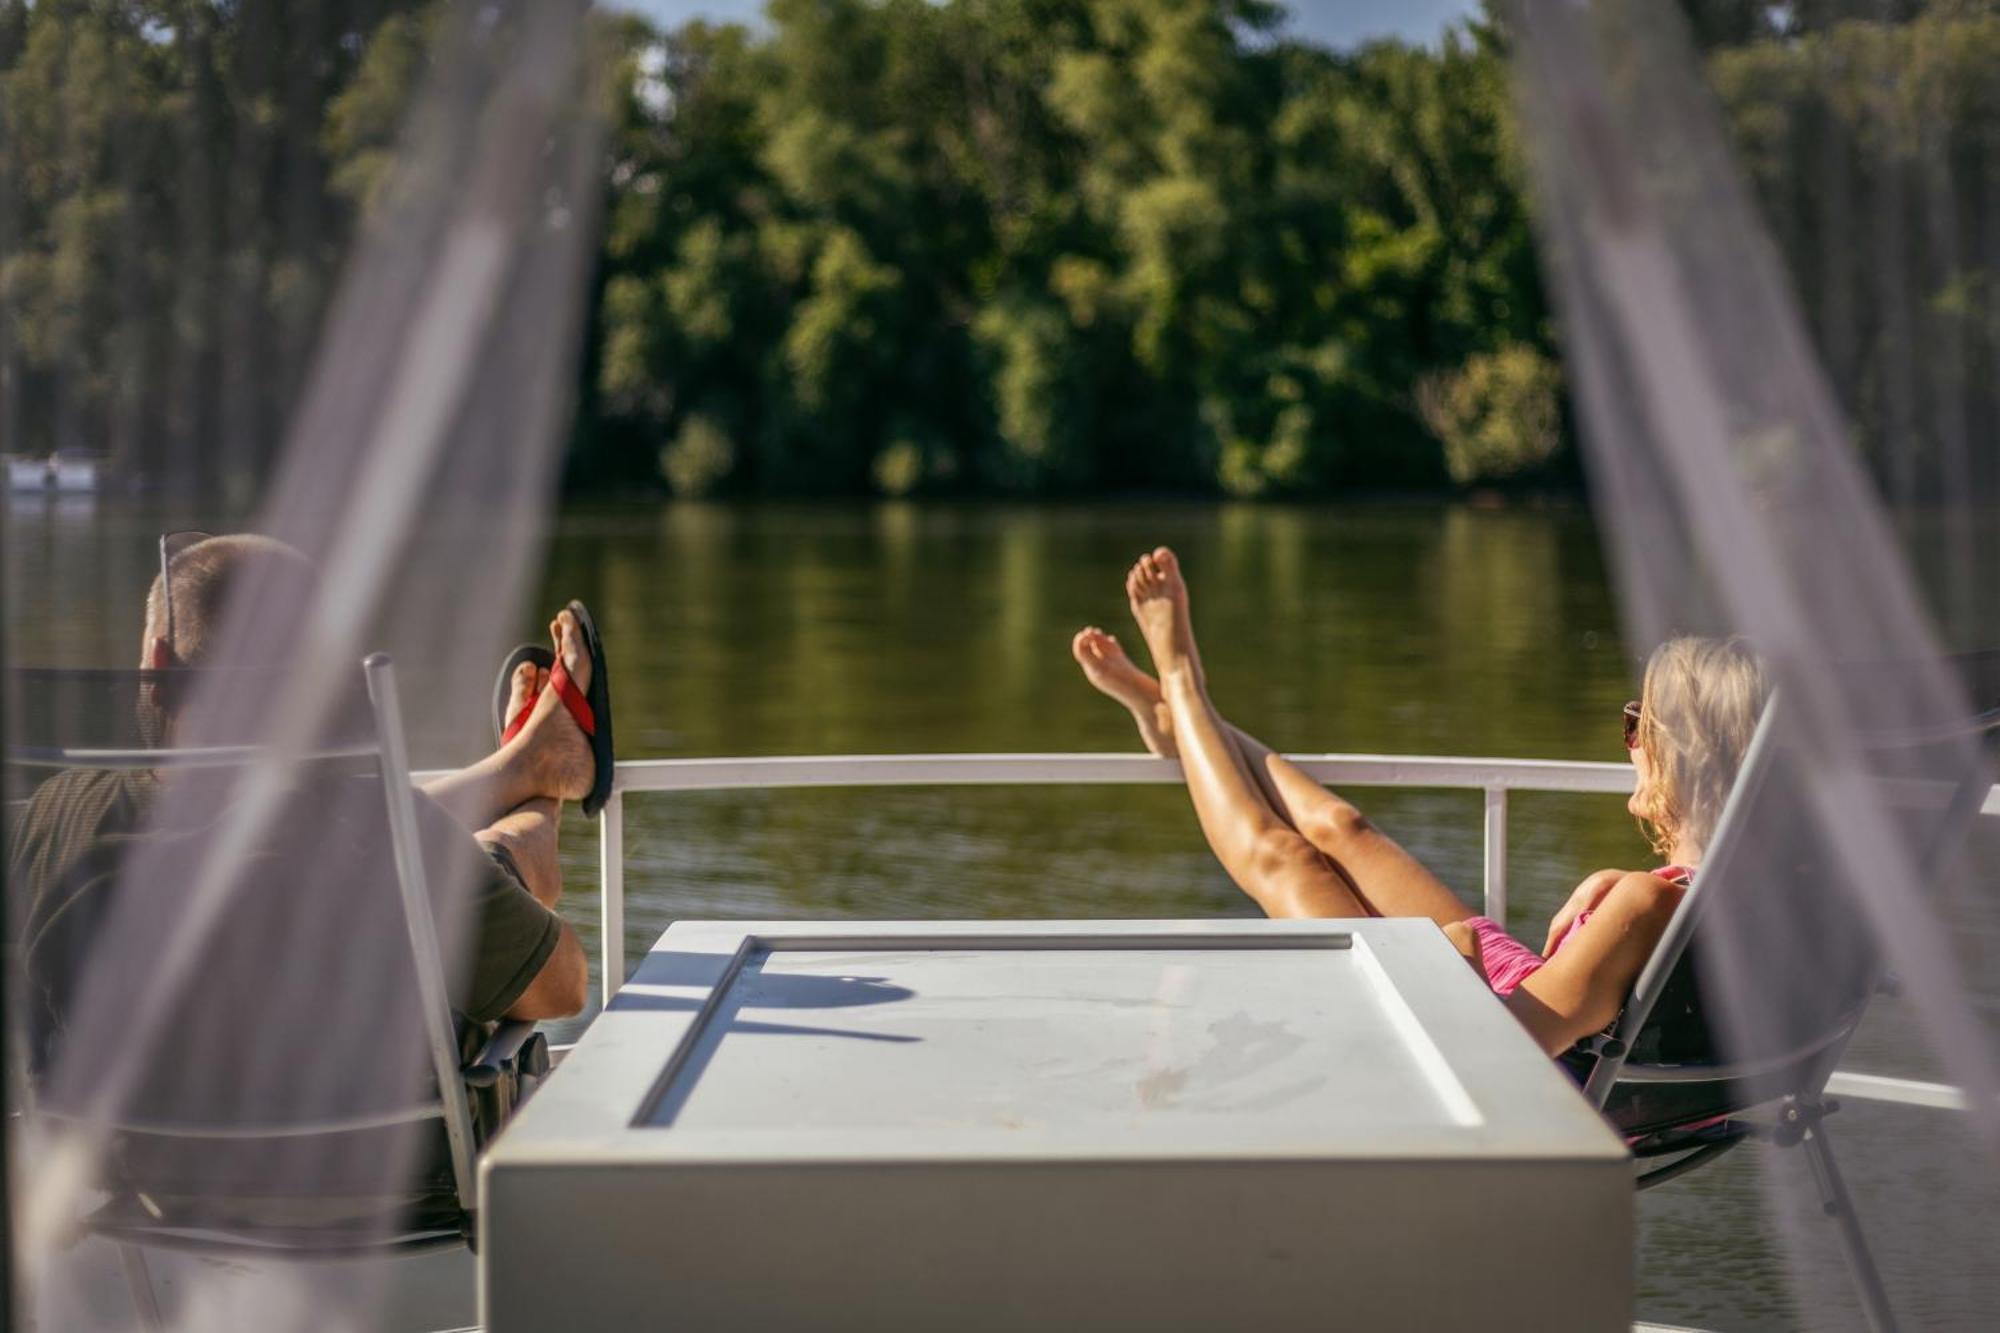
column 415, row 889
column 508, row 1065
column 1801, row 1111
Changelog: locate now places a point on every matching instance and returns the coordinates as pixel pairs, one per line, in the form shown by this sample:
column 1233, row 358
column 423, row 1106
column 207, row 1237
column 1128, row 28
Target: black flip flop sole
column 599, row 695
column 503, row 688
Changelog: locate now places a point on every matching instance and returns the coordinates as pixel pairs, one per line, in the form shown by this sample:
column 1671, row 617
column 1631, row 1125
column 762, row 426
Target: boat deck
column 1724, row 1210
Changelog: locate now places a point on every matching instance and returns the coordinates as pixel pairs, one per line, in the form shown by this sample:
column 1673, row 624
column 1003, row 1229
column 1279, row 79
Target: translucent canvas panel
column 1770, row 232
column 347, row 325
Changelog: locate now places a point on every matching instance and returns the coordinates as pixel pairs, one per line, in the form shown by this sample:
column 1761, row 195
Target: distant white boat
column 27, row 474
column 74, row 476
column 66, row 476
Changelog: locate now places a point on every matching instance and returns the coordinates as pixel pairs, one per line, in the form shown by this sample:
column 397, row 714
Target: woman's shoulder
column 1680, row 875
column 1640, row 890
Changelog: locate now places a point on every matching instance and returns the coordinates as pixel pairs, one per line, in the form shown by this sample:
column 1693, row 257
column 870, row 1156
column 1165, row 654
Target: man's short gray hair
column 205, row 576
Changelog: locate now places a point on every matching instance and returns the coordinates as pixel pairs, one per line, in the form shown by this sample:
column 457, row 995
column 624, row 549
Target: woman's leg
column 1265, row 855
column 1379, row 872
column 1393, row 882
column 1106, row 666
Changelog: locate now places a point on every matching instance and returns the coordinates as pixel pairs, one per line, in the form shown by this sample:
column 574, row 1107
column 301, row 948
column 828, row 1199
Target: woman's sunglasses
column 1632, row 725
column 171, row 545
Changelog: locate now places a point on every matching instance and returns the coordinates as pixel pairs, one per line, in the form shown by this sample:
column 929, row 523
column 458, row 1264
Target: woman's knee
column 1279, row 853
column 1333, row 823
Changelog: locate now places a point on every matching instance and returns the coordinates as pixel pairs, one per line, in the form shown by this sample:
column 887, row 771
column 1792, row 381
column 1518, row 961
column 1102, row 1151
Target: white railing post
column 1496, row 854
column 611, row 893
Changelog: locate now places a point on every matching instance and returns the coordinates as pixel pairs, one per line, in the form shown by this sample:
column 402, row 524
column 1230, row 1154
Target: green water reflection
column 895, row 628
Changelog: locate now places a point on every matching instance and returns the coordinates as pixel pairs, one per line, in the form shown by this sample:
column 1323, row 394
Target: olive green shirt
column 69, row 846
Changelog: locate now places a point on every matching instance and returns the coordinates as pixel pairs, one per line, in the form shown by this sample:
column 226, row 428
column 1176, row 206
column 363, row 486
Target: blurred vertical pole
column 7, row 983
column 189, row 358
column 611, row 893
column 12, row 26
column 243, row 353
column 1945, row 356
column 1496, row 855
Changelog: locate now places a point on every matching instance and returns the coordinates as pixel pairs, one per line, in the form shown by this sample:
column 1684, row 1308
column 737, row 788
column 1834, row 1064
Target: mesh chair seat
column 1675, row 1079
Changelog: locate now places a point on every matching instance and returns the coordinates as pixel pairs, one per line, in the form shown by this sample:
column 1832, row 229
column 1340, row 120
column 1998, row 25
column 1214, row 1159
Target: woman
column 1299, row 850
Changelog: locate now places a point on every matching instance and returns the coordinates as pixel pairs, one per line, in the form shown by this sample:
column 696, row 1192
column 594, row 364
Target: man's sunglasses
column 1632, row 725
column 171, row 545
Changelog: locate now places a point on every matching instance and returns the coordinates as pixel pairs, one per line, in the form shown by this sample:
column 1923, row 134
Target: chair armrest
column 1598, row 1046
column 515, row 1048
column 514, row 1060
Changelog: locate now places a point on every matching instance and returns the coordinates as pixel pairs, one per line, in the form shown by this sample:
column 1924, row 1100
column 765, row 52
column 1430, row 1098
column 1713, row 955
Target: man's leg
column 529, row 834
column 550, row 757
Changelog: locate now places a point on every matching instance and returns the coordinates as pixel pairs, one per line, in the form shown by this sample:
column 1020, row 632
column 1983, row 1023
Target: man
column 489, row 829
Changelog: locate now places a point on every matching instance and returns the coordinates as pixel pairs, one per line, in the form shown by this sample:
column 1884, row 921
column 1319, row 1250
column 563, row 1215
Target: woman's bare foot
column 1160, row 604
column 552, row 743
column 1106, row 666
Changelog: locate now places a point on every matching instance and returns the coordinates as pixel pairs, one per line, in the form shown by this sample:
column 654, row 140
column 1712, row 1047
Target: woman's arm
column 1585, row 899
column 1581, row 989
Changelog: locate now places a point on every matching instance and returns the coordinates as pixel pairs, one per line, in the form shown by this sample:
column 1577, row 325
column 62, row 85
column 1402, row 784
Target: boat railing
column 1494, row 779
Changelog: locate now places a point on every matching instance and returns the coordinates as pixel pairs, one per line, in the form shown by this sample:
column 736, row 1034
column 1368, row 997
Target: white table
column 1056, row 1125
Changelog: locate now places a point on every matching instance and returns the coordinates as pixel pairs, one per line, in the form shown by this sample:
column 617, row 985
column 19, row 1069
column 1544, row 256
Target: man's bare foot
column 552, row 743
column 1160, row 604
column 528, row 681
column 1106, row 666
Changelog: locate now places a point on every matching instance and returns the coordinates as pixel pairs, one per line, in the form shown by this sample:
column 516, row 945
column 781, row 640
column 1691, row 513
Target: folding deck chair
column 191, row 1183
column 1657, row 1072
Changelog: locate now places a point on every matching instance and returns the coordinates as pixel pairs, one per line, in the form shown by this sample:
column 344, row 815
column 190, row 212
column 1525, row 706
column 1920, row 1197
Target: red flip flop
column 592, row 710
column 507, row 728
column 594, row 713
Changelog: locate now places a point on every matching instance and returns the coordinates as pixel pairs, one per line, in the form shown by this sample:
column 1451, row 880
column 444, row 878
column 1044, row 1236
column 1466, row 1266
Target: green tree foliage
column 1049, row 245
column 1499, row 415
column 1874, row 149
column 174, row 197
column 878, row 245
column 986, row 246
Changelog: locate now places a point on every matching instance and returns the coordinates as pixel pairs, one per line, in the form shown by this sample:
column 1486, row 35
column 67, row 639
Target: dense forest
column 979, row 246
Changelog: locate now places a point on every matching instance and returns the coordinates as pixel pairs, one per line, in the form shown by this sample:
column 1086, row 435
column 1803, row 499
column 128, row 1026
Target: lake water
column 773, row 629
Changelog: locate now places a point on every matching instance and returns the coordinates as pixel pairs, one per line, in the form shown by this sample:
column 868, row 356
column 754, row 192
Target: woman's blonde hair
column 1697, row 711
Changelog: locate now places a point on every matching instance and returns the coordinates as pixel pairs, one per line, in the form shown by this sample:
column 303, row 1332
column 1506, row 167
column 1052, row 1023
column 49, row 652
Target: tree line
column 973, row 247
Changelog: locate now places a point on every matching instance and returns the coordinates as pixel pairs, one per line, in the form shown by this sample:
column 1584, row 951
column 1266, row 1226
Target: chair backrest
column 1720, row 1020
column 331, row 907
